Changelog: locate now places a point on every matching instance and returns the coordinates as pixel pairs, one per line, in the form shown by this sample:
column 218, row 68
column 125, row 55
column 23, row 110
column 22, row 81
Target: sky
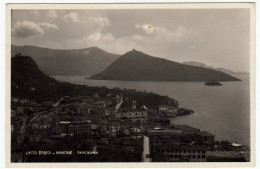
column 216, row 37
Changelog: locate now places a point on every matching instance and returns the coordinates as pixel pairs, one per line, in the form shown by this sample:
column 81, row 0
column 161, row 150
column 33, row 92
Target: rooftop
column 165, row 131
column 185, row 127
column 169, row 146
column 126, row 110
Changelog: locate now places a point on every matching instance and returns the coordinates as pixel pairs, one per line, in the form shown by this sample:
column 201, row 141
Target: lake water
column 221, row 110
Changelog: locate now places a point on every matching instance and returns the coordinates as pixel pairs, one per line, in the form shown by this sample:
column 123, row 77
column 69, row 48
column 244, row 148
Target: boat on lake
column 213, row 83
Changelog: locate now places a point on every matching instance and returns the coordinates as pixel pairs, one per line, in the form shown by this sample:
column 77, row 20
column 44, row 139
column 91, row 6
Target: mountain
column 24, row 71
column 227, row 71
column 138, row 66
column 28, row 82
column 75, row 62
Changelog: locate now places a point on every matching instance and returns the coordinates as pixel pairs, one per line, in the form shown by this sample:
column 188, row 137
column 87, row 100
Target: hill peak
column 134, row 52
column 94, row 48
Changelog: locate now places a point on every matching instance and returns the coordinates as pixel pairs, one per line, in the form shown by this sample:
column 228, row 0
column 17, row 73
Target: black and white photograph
column 135, row 83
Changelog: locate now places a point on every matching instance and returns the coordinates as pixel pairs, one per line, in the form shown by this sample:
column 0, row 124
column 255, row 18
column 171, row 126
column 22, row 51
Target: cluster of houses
column 82, row 115
column 105, row 120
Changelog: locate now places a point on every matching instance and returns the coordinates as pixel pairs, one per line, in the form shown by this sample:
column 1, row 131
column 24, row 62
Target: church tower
column 134, row 105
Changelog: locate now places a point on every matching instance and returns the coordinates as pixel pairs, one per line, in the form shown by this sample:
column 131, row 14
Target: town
column 111, row 128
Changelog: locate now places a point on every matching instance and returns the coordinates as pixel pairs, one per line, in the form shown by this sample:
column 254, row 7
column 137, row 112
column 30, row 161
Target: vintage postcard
column 130, row 85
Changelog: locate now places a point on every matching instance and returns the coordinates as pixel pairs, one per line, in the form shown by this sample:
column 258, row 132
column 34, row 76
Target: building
column 134, row 105
column 95, row 95
column 184, row 153
column 135, row 114
column 160, row 137
column 166, row 109
column 114, row 126
column 204, row 137
column 181, row 134
column 130, row 113
column 74, row 127
column 136, row 129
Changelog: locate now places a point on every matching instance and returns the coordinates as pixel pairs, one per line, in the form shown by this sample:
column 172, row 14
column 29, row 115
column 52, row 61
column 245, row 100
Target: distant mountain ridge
column 138, row 66
column 74, row 62
column 227, row 71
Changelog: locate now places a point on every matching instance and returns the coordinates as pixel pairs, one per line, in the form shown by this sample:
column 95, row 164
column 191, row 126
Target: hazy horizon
column 215, row 37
